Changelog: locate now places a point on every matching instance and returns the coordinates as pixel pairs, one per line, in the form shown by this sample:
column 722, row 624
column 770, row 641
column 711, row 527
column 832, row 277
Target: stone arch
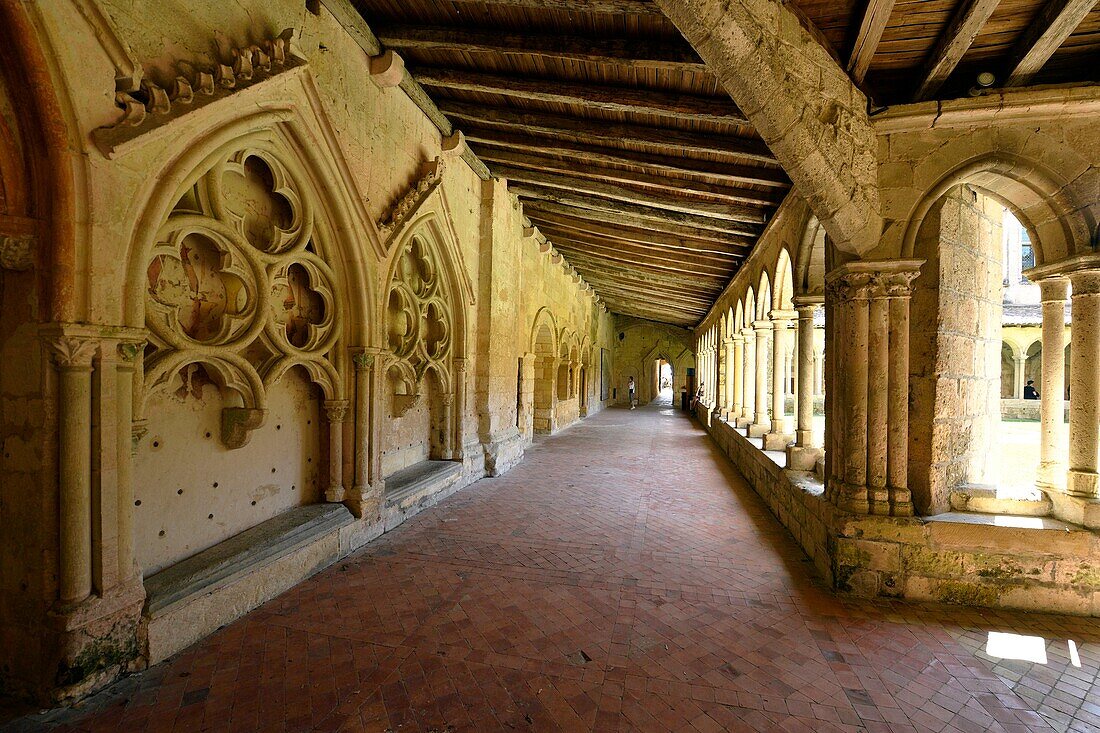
column 544, row 348
column 764, row 297
column 783, row 278
column 810, row 263
column 1058, row 226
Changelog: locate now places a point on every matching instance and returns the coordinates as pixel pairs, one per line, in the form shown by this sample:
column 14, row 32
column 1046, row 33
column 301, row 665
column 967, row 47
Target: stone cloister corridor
column 622, row 578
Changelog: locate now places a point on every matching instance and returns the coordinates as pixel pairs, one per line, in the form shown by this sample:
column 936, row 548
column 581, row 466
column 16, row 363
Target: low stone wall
column 1034, row 564
column 1025, row 410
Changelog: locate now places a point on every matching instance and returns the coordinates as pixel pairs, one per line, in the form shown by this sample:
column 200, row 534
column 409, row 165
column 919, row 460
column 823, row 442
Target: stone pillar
column 803, row 455
column 749, row 375
column 365, row 499
column 729, row 363
column 336, row 411
column 737, row 362
column 447, row 447
column 760, row 422
column 1052, row 387
column 458, row 448
column 869, row 368
column 1084, row 385
column 73, row 356
column 780, row 434
column 1018, row 369
column 130, row 354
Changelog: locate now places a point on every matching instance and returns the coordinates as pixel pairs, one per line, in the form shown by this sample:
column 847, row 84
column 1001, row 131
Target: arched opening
column 544, row 376
column 663, row 381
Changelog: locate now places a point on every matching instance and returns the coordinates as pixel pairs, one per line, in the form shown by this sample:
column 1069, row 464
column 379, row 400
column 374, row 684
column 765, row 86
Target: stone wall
column 955, row 348
column 636, row 353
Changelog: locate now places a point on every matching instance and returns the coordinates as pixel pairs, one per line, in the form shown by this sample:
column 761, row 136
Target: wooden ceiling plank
column 705, row 191
column 953, row 44
column 671, row 202
column 601, row 97
column 690, row 283
column 602, row 132
column 683, row 247
column 875, row 17
column 607, row 7
column 663, row 54
column 1045, row 35
column 633, row 213
column 656, row 300
column 625, row 220
column 720, row 262
column 658, row 260
column 594, row 154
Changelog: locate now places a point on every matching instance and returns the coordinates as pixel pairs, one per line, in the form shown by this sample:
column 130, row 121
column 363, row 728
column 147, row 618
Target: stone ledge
column 197, row 596
column 407, row 486
column 990, row 500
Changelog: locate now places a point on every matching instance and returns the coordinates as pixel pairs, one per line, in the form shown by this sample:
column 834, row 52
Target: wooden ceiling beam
column 607, row 7
column 721, row 261
column 599, row 97
column 593, row 154
column 681, row 245
column 656, row 299
column 634, row 53
column 632, row 223
column 953, row 44
column 634, row 214
column 697, row 265
column 602, row 132
column 671, row 202
column 875, row 17
column 690, row 284
column 663, row 184
column 1056, row 21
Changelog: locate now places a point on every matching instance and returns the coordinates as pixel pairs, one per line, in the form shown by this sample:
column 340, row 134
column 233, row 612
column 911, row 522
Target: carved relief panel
column 236, row 293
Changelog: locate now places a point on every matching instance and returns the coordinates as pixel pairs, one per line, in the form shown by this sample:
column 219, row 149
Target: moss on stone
column 96, row 656
column 967, row 594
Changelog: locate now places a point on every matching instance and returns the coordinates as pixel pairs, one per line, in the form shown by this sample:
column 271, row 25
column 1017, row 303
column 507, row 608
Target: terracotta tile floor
column 623, row 577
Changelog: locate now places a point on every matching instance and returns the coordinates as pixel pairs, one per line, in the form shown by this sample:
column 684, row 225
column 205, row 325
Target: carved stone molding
column 150, row 105
column 17, row 251
column 408, row 204
column 238, row 424
column 336, row 411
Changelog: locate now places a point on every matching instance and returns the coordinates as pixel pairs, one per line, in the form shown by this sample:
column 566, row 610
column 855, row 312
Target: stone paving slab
column 623, row 577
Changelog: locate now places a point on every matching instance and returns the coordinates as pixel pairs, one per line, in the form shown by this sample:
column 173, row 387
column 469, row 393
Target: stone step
column 984, row 499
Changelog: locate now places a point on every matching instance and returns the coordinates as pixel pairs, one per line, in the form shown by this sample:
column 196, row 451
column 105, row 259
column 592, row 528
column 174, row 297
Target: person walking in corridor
column 630, row 389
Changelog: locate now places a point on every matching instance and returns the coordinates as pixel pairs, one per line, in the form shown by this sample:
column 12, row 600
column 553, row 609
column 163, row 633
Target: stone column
column 803, row 455
column 737, row 362
column 870, row 373
column 1052, row 387
column 130, row 354
column 1084, row 385
column 748, row 373
column 761, row 424
column 729, row 361
column 1018, row 376
column 365, row 499
column 780, row 434
column 447, row 449
column 73, row 356
column 458, row 449
column 336, row 411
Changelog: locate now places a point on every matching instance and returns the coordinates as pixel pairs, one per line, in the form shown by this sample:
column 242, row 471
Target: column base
column 743, row 422
column 777, row 441
column 1051, row 477
column 1075, row 509
column 759, row 430
column 803, row 457
column 365, row 502
column 503, row 452
column 1083, row 484
column 335, row 494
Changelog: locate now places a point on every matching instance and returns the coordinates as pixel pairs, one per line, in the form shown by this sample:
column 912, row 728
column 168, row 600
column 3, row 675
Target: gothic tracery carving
column 408, row 204
column 236, row 293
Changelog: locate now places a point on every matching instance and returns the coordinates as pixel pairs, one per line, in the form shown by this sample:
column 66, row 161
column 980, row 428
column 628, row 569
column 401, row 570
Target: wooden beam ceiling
column 725, row 211
column 661, row 259
column 630, row 235
column 700, row 190
column 1057, row 20
column 630, row 53
column 601, row 132
column 606, row 7
column 587, row 96
column 628, row 223
column 875, row 17
column 730, row 174
column 634, row 212
column 953, row 44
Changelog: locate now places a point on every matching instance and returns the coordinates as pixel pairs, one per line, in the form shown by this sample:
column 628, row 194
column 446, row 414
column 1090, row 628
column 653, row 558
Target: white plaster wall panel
column 183, row 474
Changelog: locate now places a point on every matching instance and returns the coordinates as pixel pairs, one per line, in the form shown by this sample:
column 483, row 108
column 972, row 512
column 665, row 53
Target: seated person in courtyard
column 1030, row 393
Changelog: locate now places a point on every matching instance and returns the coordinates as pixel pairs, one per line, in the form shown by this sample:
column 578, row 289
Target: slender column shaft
column 737, row 361
column 819, row 373
column 335, row 412
column 363, row 364
column 897, row 461
column 779, row 374
column 804, row 400
column 855, row 366
column 731, row 375
column 1084, row 386
column 124, row 449
column 1018, row 377
column 750, row 375
column 878, row 346
column 74, row 360
column 761, row 417
column 1052, row 384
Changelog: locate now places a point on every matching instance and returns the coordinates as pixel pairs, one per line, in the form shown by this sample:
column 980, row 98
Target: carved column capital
column 17, row 251
column 130, row 351
column 336, row 411
column 73, row 352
